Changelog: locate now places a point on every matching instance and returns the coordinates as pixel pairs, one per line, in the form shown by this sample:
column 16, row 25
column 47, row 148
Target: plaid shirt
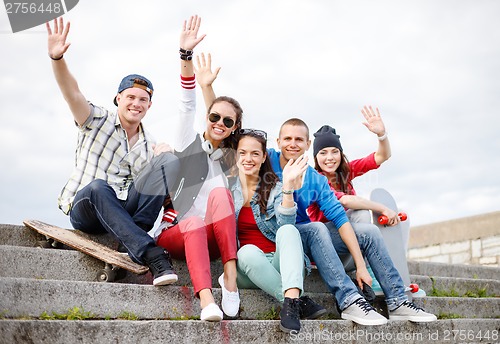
column 103, row 153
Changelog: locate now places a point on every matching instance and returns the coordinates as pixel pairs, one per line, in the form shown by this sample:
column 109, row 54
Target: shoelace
column 294, row 308
column 411, row 305
column 365, row 306
column 157, row 262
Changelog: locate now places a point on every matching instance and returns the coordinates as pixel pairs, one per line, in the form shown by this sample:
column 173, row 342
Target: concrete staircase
column 38, row 284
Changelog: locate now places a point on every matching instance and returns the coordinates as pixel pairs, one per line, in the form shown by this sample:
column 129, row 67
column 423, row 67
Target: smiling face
column 133, row 103
column 329, row 159
column 217, row 131
column 250, row 156
column 293, row 141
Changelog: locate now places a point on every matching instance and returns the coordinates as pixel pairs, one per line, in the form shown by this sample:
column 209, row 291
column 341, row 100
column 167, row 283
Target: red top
column 249, row 233
column 358, row 167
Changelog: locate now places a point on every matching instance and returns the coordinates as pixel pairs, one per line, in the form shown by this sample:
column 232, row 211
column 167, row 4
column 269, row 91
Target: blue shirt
column 315, row 189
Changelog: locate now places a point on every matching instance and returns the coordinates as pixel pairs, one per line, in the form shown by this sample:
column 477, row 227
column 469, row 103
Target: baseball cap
column 135, row 80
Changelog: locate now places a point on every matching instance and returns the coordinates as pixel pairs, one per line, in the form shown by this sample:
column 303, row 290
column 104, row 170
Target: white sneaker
column 230, row 299
column 211, row 312
column 361, row 312
column 409, row 311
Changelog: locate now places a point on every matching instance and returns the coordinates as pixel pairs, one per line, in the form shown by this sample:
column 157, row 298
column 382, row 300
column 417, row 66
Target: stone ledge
column 467, row 228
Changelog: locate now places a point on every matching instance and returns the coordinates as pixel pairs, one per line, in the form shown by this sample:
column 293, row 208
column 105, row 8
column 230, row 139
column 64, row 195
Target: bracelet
column 383, row 137
column 287, row 192
column 186, row 57
column 185, row 52
column 56, row 59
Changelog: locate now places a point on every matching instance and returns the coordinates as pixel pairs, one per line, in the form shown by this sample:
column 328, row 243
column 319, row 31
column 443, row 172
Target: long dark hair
column 343, row 179
column 267, row 178
column 230, row 143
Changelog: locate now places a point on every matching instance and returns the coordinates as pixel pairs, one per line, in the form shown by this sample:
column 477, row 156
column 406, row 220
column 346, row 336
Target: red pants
column 200, row 241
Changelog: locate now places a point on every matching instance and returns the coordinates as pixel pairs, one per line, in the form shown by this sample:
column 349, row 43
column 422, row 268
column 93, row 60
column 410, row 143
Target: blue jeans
column 274, row 272
column 318, row 245
column 373, row 248
column 97, row 209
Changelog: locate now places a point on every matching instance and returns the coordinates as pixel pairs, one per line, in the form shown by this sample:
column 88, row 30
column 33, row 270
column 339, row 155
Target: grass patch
column 271, row 314
column 75, row 313
column 444, row 316
column 473, row 293
column 125, row 315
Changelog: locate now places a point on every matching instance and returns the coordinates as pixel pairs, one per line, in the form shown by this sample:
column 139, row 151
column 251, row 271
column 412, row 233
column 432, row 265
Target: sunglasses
column 255, row 132
column 215, row 117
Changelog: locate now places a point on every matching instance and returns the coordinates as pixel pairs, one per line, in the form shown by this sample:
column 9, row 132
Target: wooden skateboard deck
column 113, row 260
column 393, row 236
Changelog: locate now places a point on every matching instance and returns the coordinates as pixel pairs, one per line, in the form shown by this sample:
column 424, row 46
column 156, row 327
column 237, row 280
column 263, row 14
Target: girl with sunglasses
column 199, row 223
column 270, row 256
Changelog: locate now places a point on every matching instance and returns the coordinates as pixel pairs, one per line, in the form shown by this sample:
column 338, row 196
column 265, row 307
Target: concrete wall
column 470, row 240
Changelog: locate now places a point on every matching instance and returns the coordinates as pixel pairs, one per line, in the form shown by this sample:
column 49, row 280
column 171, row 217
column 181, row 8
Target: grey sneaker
column 361, row 312
column 409, row 311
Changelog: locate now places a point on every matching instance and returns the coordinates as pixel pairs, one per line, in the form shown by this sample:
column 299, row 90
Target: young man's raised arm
column 57, row 46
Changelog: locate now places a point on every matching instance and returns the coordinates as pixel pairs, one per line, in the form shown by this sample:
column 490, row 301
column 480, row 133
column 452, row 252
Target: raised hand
column 373, row 122
column 189, row 34
column 203, row 71
column 293, row 172
column 57, row 38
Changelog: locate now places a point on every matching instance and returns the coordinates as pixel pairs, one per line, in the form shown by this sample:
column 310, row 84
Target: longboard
column 113, row 260
column 393, row 236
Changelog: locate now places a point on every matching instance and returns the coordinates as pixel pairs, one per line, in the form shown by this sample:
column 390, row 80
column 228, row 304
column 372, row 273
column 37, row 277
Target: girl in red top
column 330, row 160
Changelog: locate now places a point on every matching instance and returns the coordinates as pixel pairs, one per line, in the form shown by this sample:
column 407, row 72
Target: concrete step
column 30, row 297
column 57, row 264
column 19, row 235
column 453, row 270
column 245, row 331
column 468, row 287
column 71, row 265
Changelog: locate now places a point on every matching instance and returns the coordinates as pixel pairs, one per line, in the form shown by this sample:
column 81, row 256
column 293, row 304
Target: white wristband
column 383, row 137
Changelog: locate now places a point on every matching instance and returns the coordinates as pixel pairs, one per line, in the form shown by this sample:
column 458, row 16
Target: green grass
column 75, row 313
column 473, row 293
column 443, row 316
column 271, row 314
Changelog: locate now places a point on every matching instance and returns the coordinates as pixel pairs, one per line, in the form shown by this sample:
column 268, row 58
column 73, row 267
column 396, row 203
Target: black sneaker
column 160, row 265
column 310, row 309
column 290, row 315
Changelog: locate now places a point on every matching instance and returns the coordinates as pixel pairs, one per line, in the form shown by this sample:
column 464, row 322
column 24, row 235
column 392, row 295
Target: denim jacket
column 276, row 216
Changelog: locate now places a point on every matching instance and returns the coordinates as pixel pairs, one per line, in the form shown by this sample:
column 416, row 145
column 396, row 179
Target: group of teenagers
column 267, row 214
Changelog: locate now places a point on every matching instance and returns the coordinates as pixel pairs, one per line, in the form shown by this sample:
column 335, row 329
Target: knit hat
column 326, row 137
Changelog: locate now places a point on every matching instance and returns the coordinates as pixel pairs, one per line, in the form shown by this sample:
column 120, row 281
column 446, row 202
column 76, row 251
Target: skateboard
column 396, row 239
column 113, row 260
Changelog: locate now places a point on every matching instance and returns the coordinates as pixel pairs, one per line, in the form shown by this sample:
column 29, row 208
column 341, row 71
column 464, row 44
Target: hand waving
column 189, row 34
column 293, row 171
column 373, row 122
column 57, row 39
column 204, row 73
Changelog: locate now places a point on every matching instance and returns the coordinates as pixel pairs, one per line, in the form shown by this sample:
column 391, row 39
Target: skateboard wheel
column 414, row 287
column 106, row 275
column 43, row 244
column 403, row 216
column 383, row 220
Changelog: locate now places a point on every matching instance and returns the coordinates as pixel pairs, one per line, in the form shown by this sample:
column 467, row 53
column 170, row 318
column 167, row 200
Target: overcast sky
column 432, row 67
